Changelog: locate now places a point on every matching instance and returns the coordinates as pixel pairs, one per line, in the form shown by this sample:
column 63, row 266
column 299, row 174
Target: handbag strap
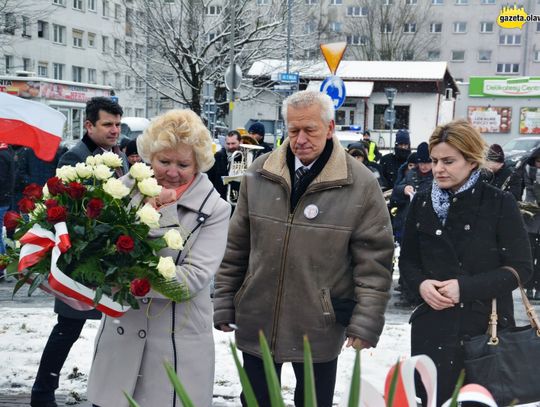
column 529, row 309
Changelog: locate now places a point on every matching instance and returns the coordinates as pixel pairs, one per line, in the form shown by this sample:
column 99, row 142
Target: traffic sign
column 334, row 87
column 114, row 99
column 291, row 77
column 390, row 116
column 233, row 78
column 284, row 87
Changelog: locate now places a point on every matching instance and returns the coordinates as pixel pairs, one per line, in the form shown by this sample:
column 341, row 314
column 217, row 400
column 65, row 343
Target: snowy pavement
column 26, row 323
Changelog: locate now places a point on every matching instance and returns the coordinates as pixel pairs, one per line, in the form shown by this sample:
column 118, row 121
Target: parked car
column 515, row 149
column 132, row 127
column 348, row 137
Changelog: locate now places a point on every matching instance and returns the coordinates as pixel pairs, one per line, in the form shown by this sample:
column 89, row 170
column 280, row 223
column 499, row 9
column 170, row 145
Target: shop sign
column 505, row 87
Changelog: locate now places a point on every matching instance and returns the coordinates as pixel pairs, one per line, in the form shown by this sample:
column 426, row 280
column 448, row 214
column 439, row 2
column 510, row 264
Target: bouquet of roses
column 87, row 241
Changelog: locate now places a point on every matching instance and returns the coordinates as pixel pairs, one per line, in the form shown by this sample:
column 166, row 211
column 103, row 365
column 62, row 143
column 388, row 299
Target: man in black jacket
column 391, row 162
column 102, row 126
column 7, row 180
column 257, row 130
column 223, row 164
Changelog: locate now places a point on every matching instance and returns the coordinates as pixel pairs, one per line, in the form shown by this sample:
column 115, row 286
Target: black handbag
column 506, row 362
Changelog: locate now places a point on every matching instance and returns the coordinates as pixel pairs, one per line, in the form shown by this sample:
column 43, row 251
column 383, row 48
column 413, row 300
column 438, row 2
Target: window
column 437, row 2
column 411, row 2
column 310, row 27
column 462, row 2
column 78, row 4
column 311, row 1
column 8, row 63
column 433, row 55
column 104, row 44
column 484, row 56
column 43, row 69
column 356, row 39
column 128, row 47
column 263, row 2
column 210, row 36
column 458, row 56
column 510, row 39
column 402, row 117
column 486, row 27
column 127, row 82
column 43, row 29
column 139, row 85
column 139, row 112
column 58, row 71
column 435, row 27
column 387, row 2
column 386, row 28
column 213, row 10
column 92, row 75
column 537, row 27
column 59, row 2
column 460, row 27
column 27, row 64
column 407, row 55
column 105, row 8
column 104, row 77
column 91, row 5
column 409, row 28
column 91, row 40
column 311, row 54
column 356, row 11
column 59, row 34
column 139, row 50
column 336, row 2
column 117, row 46
column 117, row 78
column 77, row 38
column 335, row 26
column 129, row 22
column 10, row 22
column 77, row 73
column 508, row 68
column 487, row 1
column 117, row 11
column 26, row 27
column 536, row 56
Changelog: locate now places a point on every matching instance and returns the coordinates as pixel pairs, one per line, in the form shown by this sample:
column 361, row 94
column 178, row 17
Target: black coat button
column 120, row 330
column 145, row 300
column 142, row 333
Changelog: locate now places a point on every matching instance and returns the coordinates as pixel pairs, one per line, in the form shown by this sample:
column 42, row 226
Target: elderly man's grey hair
column 307, row 98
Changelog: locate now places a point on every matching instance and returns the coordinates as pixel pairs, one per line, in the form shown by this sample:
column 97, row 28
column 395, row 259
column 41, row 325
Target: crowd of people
column 308, row 250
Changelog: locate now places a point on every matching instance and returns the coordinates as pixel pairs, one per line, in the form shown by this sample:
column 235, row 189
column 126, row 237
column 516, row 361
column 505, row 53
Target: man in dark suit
column 222, row 164
column 102, row 126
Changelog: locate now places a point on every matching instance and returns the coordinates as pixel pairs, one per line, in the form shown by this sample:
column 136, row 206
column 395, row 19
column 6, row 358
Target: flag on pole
column 31, row 124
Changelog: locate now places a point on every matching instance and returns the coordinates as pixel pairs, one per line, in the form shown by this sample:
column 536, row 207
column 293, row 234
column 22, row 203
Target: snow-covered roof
column 356, row 70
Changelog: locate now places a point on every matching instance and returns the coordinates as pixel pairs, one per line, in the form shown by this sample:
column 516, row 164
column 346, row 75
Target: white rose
column 46, row 193
column 141, row 171
column 91, row 160
column 115, row 188
column 149, row 216
column 149, row 187
column 67, row 173
column 83, row 171
column 102, row 172
column 174, row 239
column 111, row 160
column 166, row 267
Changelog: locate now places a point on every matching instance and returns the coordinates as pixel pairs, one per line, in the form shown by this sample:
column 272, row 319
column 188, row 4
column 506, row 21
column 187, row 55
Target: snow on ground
column 24, row 332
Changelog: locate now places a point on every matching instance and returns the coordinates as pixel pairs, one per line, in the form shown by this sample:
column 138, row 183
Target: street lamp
column 390, row 112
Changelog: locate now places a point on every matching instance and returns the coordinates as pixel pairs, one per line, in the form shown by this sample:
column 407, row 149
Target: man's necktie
column 298, row 175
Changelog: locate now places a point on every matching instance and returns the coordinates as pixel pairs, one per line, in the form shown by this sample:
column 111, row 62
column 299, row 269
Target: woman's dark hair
column 94, row 105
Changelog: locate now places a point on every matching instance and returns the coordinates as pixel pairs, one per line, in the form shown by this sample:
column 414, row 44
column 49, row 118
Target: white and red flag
column 31, row 124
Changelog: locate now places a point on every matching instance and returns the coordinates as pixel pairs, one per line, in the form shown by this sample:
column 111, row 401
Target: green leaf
column 178, row 387
column 354, row 392
column 176, row 291
column 393, row 385
column 38, row 279
column 12, row 267
column 132, row 403
column 459, row 385
column 249, row 395
column 21, row 282
column 99, row 294
column 310, row 397
column 102, row 229
column 274, row 388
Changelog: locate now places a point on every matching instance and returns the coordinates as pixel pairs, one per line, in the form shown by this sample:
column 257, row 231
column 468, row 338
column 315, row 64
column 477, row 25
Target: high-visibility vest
column 371, row 151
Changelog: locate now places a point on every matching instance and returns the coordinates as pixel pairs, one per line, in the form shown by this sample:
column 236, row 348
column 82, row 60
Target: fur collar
column 337, row 170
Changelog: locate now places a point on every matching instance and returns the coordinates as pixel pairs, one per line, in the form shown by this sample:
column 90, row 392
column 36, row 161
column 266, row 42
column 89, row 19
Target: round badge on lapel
column 311, row 211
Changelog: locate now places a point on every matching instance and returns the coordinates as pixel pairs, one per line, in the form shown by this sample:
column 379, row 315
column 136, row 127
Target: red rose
column 56, row 214
column 139, row 287
column 33, row 191
column 11, row 220
column 125, row 244
column 26, row 205
column 55, row 186
column 76, row 190
column 51, row 203
column 94, row 207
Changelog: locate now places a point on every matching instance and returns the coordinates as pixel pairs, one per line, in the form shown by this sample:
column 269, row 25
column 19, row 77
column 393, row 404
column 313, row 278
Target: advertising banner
column 490, row 119
column 529, row 120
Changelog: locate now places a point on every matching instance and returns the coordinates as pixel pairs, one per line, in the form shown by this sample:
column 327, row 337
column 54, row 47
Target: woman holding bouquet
column 460, row 237
column 130, row 351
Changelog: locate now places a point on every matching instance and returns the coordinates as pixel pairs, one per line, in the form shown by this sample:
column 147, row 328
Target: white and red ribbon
column 35, row 245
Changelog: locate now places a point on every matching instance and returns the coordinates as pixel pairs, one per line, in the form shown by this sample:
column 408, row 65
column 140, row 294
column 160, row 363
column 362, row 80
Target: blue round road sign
column 334, row 87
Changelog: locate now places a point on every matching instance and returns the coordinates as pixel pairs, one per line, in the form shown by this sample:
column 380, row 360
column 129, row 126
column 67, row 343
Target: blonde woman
column 458, row 236
column 130, row 351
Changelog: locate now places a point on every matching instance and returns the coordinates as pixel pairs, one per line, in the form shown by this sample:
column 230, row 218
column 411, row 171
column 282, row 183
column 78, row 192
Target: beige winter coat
column 282, row 269
column 130, row 351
